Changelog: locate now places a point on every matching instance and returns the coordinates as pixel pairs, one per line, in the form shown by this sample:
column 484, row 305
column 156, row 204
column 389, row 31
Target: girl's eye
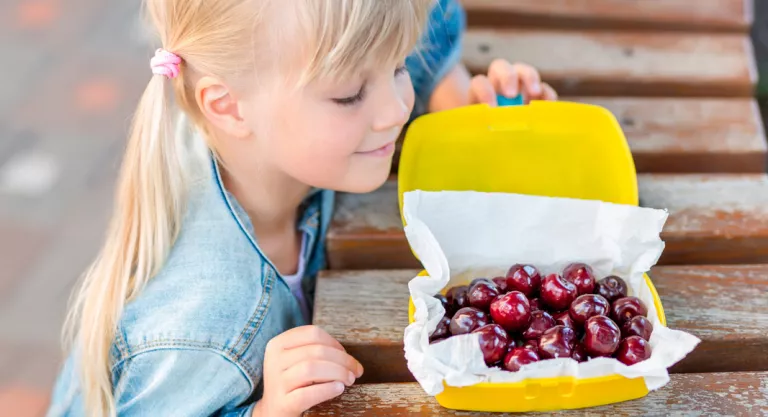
column 401, row 70
column 348, row 101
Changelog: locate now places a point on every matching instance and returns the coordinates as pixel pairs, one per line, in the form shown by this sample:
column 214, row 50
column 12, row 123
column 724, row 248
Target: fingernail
column 536, row 89
column 338, row 387
column 510, row 91
column 359, row 370
column 351, row 378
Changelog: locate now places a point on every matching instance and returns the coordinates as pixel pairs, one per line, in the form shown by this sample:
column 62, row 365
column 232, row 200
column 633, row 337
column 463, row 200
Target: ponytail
column 144, row 225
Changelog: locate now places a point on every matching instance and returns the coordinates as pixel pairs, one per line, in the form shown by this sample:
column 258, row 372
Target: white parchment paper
column 462, row 235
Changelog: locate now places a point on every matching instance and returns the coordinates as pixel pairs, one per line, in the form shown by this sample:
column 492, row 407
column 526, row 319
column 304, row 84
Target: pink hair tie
column 165, row 63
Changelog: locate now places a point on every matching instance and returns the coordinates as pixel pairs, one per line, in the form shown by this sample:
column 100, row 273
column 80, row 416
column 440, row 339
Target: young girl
column 199, row 301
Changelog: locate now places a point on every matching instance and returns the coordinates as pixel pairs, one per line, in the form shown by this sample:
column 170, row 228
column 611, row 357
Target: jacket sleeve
column 181, row 382
column 438, row 51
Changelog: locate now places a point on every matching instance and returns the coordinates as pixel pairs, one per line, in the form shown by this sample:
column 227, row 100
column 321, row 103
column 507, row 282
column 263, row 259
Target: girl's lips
column 385, row 150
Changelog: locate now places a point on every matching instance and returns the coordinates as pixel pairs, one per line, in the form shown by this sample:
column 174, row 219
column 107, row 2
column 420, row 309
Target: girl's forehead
column 335, row 39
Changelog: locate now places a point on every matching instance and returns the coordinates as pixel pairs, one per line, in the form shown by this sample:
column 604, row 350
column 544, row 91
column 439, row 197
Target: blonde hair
column 210, row 36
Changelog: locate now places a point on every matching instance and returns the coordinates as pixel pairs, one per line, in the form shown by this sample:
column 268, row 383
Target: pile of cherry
column 522, row 318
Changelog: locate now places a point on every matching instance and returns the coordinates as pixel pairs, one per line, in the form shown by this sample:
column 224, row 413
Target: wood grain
column 714, row 219
column 623, row 62
column 716, row 394
column 690, row 135
column 707, row 15
column 725, row 306
column 687, row 135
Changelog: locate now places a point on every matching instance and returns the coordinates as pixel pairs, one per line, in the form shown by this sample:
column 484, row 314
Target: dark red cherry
column 557, row 342
column 557, row 293
column 467, row 319
column 536, row 304
column 564, row 319
column 579, row 354
column 586, row 306
column 637, row 326
column 532, row 344
column 625, row 308
column 524, row 278
column 444, row 302
column 601, row 336
column 482, row 293
column 632, row 350
column 501, row 284
column 511, row 311
column 612, row 288
column 457, row 298
column 516, row 358
column 540, row 321
column 493, row 342
column 442, row 330
column 582, row 276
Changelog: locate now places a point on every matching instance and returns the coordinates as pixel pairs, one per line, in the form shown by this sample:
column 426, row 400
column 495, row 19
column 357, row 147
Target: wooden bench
column 725, row 306
column 711, row 15
column 681, row 135
column 716, row 394
column 713, row 219
column 620, row 63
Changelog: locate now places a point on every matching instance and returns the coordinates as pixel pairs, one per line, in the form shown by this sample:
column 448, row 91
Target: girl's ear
column 220, row 107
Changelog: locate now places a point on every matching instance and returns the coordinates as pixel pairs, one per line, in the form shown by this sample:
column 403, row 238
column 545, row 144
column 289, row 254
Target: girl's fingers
column 303, row 336
column 481, row 91
column 302, row 399
column 292, row 357
column 312, row 372
column 530, row 80
column 549, row 93
column 504, row 77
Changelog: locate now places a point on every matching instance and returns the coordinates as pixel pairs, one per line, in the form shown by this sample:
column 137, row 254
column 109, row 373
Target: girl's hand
column 304, row 367
column 509, row 80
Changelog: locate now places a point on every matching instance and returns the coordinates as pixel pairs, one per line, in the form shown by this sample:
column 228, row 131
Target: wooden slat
column 717, row 394
column 708, row 15
column 714, row 219
column 689, row 135
column 623, row 63
column 725, row 306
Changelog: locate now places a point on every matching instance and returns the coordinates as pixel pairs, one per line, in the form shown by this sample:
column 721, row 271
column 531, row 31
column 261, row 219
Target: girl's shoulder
column 215, row 292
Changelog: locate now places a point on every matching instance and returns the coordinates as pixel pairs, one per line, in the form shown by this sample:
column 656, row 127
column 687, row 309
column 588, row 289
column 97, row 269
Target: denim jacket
column 192, row 343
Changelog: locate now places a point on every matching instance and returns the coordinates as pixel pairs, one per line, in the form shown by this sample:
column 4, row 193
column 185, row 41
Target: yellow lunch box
column 556, row 149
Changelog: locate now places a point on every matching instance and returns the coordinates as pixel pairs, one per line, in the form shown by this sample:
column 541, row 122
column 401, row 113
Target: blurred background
column 71, row 75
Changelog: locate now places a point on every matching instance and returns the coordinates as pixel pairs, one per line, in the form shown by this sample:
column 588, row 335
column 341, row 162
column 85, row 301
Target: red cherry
column 586, row 306
column 540, row 321
column 557, row 293
column 511, row 311
column 532, row 344
column 582, row 276
column 564, row 319
column 625, row 308
column 493, row 342
column 481, row 294
column 524, row 278
column 557, row 342
column 601, row 336
column 637, row 326
column 501, row 283
column 632, row 350
column 612, row 288
column 536, row 304
column 457, row 298
column 467, row 319
column 442, row 330
column 518, row 357
column 579, row 354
